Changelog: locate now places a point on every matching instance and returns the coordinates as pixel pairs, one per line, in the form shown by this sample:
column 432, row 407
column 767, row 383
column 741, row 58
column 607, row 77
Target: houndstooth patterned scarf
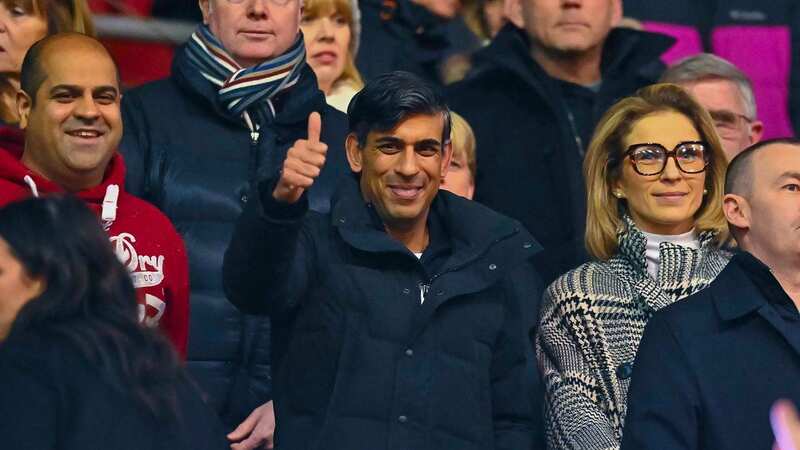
column 246, row 92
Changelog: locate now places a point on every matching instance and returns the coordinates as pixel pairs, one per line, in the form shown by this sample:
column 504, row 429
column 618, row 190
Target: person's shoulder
column 150, row 88
column 692, row 317
column 588, row 281
column 42, row 351
column 333, row 120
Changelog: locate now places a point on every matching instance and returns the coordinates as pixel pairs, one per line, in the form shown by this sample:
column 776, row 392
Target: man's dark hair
column 32, row 74
column 739, row 178
column 392, row 97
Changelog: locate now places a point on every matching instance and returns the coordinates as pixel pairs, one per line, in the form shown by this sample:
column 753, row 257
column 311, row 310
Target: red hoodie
column 143, row 238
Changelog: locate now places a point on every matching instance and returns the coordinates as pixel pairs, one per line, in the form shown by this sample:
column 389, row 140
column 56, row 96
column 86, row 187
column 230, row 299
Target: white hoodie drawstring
column 32, row 185
column 109, row 213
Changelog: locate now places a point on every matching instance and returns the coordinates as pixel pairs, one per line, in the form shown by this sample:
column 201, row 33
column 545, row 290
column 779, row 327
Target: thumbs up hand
column 303, row 164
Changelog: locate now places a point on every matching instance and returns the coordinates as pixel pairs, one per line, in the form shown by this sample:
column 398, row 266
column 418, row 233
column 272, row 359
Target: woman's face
column 327, row 39
column 16, row 288
column 19, row 30
column 664, row 203
column 459, row 179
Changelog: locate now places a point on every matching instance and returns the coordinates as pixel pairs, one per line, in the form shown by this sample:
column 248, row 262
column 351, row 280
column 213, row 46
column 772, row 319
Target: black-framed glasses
column 651, row 158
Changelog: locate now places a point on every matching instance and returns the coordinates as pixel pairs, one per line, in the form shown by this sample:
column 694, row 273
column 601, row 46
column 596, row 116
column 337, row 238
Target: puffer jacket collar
column 510, row 51
column 475, row 231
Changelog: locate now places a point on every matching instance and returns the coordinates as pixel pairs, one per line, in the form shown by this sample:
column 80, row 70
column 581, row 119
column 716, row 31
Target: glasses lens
column 691, row 157
column 649, row 159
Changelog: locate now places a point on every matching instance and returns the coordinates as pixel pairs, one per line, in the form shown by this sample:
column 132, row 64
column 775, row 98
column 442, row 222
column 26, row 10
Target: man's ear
column 737, row 211
column 616, row 12
column 205, row 8
column 447, row 156
column 24, row 104
column 512, row 9
column 353, row 153
column 756, row 131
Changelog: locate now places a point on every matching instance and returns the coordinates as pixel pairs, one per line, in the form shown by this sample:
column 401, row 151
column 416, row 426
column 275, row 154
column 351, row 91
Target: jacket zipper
column 425, row 286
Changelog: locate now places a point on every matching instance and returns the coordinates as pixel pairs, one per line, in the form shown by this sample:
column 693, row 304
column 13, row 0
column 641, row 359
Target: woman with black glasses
column 654, row 176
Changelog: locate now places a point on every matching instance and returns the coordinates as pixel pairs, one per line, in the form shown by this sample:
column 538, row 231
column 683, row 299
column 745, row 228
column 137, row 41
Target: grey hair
column 704, row 66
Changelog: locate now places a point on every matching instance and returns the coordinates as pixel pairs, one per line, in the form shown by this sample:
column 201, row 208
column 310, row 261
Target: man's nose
column 256, row 9
column 408, row 164
column 86, row 107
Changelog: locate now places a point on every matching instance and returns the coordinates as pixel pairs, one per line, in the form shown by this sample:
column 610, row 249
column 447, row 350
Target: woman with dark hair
column 77, row 371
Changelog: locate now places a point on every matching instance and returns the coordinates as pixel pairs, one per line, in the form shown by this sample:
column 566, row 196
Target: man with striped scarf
column 239, row 96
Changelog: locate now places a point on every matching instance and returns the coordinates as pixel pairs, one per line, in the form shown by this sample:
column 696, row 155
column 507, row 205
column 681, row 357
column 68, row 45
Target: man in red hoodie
column 69, row 107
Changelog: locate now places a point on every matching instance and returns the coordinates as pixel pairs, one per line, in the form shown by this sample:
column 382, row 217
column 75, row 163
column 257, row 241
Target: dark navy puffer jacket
column 367, row 365
column 194, row 161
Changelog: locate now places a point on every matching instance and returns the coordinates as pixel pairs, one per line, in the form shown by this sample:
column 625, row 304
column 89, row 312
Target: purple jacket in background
column 758, row 36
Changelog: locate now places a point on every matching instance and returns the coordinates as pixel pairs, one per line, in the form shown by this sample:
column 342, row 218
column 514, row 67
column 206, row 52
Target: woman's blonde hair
column 61, row 15
column 317, row 8
column 463, row 140
column 605, row 156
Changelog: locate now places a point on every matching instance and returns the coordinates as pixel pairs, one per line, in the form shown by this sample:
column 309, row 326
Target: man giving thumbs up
column 405, row 327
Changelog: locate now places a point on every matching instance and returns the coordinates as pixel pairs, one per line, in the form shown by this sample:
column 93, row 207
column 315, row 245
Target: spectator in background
column 69, row 107
column 240, row 93
column 460, row 178
column 330, row 29
column 411, row 35
column 726, row 93
column 485, row 18
column 709, row 369
column 654, row 176
column 533, row 98
column 22, row 23
column 76, row 369
column 759, row 37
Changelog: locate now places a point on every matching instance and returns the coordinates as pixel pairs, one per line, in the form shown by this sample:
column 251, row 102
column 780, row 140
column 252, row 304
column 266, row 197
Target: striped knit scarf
column 246, row 92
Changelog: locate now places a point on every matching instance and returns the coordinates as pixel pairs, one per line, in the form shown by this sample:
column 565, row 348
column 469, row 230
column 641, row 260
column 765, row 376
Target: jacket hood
column 510, row 50
column 101, row 198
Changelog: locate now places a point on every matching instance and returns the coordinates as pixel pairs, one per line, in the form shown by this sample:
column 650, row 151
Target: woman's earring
column 618, row 194
column 705, row 191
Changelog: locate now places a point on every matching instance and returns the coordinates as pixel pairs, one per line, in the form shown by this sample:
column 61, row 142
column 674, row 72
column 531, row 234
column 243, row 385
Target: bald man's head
column 34, row 73
column 740, row 175
column 69, row 107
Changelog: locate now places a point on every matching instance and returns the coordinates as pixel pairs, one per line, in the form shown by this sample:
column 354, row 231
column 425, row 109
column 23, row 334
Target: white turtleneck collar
column 688, row 239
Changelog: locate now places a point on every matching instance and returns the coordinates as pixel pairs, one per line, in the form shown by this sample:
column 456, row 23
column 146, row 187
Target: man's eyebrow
column 104, row 89
column 388, row 140
column 428, row 142
column 71, row 88
column 789, row 174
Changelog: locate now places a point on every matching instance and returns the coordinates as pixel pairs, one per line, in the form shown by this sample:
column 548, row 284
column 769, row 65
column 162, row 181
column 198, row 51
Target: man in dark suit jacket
column 709, row 367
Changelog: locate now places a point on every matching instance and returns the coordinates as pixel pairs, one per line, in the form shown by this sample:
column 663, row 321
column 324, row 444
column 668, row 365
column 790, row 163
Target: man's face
column 253, row 31
column 401, row 169
column 569, row 26
column 721, row 98
column 74, row 127
column 771, row 212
